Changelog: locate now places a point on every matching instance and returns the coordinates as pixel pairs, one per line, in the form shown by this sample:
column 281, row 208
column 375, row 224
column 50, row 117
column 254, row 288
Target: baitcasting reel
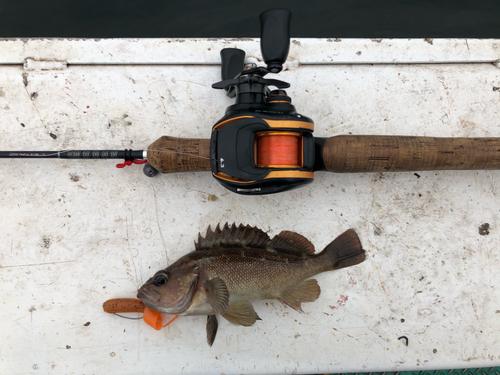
column 262, row 145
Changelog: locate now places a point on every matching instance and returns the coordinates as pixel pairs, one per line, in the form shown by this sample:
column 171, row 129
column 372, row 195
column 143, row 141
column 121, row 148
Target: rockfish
column 237, row 264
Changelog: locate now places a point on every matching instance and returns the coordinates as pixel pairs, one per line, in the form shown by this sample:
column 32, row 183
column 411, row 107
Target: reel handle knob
column 233, row 62
column 275, row 38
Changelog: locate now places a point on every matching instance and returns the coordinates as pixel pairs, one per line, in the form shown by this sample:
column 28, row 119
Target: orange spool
column 278, row 150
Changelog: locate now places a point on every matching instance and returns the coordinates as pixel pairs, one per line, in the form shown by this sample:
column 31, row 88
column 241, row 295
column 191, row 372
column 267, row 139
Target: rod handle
column 378, row 153
column 171, row 154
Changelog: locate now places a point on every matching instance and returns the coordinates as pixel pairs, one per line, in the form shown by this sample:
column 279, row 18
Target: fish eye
column 160, row 279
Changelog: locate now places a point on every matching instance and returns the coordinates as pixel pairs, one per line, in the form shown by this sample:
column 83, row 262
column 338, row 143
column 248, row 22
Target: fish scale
column 257, row 273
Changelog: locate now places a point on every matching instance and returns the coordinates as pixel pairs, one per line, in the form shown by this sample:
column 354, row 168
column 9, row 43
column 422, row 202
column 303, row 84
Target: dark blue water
column 224, row 18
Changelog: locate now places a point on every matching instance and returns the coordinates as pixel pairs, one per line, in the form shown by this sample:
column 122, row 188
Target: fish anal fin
column 217, row 295
column 292, row 243
column 212, row 326
column 241, row 313
column 306, row 291
column 232, row 235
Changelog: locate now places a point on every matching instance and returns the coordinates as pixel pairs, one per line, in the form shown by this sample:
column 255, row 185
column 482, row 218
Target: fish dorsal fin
column 242, row 235
column 292, row 243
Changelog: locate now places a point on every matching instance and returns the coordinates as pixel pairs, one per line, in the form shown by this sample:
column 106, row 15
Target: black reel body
column 255, row 153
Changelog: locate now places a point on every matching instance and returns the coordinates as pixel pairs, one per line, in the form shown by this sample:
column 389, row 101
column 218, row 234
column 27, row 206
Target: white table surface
column 76, row 233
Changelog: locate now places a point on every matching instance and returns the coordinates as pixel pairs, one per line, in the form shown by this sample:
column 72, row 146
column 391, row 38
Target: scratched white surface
column 76, row 233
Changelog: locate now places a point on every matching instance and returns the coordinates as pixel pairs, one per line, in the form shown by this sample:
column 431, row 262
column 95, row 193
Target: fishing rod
column 262, row 145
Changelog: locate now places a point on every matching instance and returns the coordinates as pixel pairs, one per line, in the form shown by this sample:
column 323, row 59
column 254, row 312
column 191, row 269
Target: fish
column 234, row 265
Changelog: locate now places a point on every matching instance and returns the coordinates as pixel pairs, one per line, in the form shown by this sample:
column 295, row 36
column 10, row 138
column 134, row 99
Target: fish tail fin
column 344, row 251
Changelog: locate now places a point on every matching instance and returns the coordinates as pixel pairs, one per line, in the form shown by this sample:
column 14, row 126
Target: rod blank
column 74, row 154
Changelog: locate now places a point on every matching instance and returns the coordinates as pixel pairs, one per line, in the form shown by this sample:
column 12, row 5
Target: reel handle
column 171, row 154
column 379, row 153
column 275, row 38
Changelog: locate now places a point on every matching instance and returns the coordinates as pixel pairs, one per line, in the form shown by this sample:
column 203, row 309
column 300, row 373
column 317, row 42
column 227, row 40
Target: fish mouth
column 148, row 295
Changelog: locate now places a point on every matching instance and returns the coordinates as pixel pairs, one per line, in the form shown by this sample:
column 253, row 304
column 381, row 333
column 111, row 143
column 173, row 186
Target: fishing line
column 128, row 317
column 181, row 153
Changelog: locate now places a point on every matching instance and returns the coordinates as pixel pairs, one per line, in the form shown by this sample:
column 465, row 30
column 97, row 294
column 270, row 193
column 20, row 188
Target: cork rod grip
column 366, row 153
column 170, row 155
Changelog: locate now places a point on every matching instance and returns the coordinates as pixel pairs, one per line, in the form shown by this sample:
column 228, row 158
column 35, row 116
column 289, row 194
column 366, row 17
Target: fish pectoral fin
column 212, row 326
column 306, row 291
column 241, row 313
column 217, row 295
